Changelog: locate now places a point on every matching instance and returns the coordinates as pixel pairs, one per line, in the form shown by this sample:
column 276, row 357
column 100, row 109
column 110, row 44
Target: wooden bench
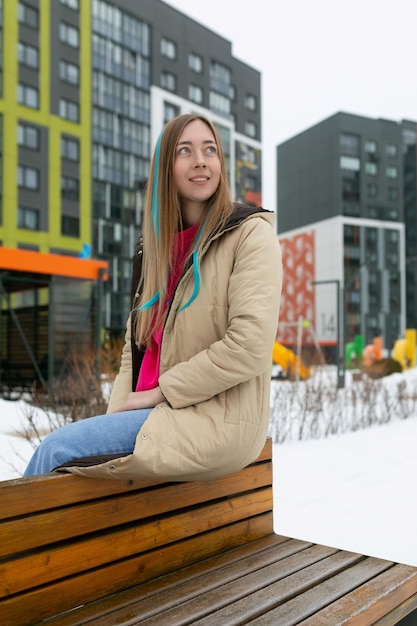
column 85, row 551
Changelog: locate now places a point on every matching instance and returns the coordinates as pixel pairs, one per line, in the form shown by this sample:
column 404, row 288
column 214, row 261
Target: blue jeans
column 113, row 433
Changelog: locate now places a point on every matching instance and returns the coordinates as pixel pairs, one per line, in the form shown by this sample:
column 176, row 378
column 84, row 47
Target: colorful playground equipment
column 372, row 352
column 290, row 362
column 404, row 350
column 354, row 351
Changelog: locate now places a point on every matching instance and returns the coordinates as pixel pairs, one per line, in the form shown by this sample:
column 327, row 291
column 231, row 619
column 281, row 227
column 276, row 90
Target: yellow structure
column 404, row 350
column 292, row 364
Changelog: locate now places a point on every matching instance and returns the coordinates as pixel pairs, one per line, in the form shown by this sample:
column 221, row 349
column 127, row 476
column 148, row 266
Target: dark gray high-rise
column 364, row 170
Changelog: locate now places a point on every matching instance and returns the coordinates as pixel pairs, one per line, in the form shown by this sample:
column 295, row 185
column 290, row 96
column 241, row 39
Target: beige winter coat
column 216, row 359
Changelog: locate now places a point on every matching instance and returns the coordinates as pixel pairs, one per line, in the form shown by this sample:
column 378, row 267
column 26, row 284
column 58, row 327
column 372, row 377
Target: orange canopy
column 52, row 264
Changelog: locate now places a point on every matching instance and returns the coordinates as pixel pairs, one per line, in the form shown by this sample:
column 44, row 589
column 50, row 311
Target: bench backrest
column 67, row 540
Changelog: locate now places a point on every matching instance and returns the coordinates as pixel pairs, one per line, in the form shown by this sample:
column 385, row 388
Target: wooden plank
column 102, row 612
column 334, row 586
column 372, row 600
column 219, row 590
column 55, row 525
column 75, row 556
column 22, row 496
column 45, row 601
column 291, row 587
column 406, row 608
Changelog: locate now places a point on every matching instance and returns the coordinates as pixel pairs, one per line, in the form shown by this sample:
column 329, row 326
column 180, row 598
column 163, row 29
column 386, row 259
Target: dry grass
column 314, row 408
column 82, row 393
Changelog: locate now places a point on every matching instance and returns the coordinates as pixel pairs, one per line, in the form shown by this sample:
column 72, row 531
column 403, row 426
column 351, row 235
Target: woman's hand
column 142, row 400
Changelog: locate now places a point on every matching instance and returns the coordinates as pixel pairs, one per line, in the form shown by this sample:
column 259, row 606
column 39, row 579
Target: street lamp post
column 340, row 357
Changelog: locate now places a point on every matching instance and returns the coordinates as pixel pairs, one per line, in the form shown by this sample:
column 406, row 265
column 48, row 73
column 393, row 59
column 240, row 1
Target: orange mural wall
column 297, row 300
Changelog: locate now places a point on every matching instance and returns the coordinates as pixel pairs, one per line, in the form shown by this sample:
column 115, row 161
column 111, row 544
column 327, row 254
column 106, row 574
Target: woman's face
column 197, row 166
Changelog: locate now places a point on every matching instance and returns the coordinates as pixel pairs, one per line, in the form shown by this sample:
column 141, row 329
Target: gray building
column 363, row 170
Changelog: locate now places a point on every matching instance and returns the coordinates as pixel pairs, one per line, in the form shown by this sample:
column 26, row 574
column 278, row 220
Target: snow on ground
column 353, row 491
column 15, row 450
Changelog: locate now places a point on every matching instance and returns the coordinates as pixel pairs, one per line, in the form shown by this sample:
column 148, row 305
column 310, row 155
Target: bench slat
column 375, row 598
column 56, row 491
column 79, row 555
column 188, row 601
column 150, row 590
column 323, row 593
column 37, row 604
column 402, row 610
column 65, row 523
column 253, row 594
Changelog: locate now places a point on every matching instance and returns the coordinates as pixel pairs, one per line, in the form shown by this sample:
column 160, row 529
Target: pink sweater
column 149, row 371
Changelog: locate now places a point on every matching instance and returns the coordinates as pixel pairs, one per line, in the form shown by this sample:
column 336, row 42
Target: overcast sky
column 317, row 57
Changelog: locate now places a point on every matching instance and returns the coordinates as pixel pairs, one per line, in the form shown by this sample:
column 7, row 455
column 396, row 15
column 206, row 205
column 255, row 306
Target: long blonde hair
column 162, row 220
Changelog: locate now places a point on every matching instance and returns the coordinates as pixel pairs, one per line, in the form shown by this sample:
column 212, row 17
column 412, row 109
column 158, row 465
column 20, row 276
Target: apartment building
column 85, row 88
column 347, row 196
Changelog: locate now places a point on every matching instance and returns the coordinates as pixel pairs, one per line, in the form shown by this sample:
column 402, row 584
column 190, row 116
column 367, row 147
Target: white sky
column 317, row 58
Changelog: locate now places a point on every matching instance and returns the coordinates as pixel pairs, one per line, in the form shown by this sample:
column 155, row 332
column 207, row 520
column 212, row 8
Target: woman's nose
column 200, row 160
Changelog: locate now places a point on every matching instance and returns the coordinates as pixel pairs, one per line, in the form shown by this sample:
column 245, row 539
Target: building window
column 219, row 103
column 170, row 111
column 220, row 79
column 168, row 81
column 72, row 4
column 250, row 182
column 350, row 163
column 350, row 186
column 393, row 193
column 372, row 190
column 27, row 177
column 69, row 35
column 370, row 146
column 70, row 149
column 391, row 171
column 195, row 63
column 69, row 72
column 29, row 96
column 374, row 212
column 393, row 236
column 195, row 94
column 351, row 209
column 250, row 129
column 121, row 98
column 251, row 155
column 349, row 145
column 28, row 136
column 393, row 215
column 70, row 188
column 28, row 55
column 391, row 150
column 70, row 226
column 168, row 48
column 69, row 110
column 392, row 259
column 250, row 102
column 371, row 168
column 28, row 15
column 28, row 218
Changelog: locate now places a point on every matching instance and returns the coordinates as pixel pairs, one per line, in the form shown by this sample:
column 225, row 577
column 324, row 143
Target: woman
column 191, row 399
